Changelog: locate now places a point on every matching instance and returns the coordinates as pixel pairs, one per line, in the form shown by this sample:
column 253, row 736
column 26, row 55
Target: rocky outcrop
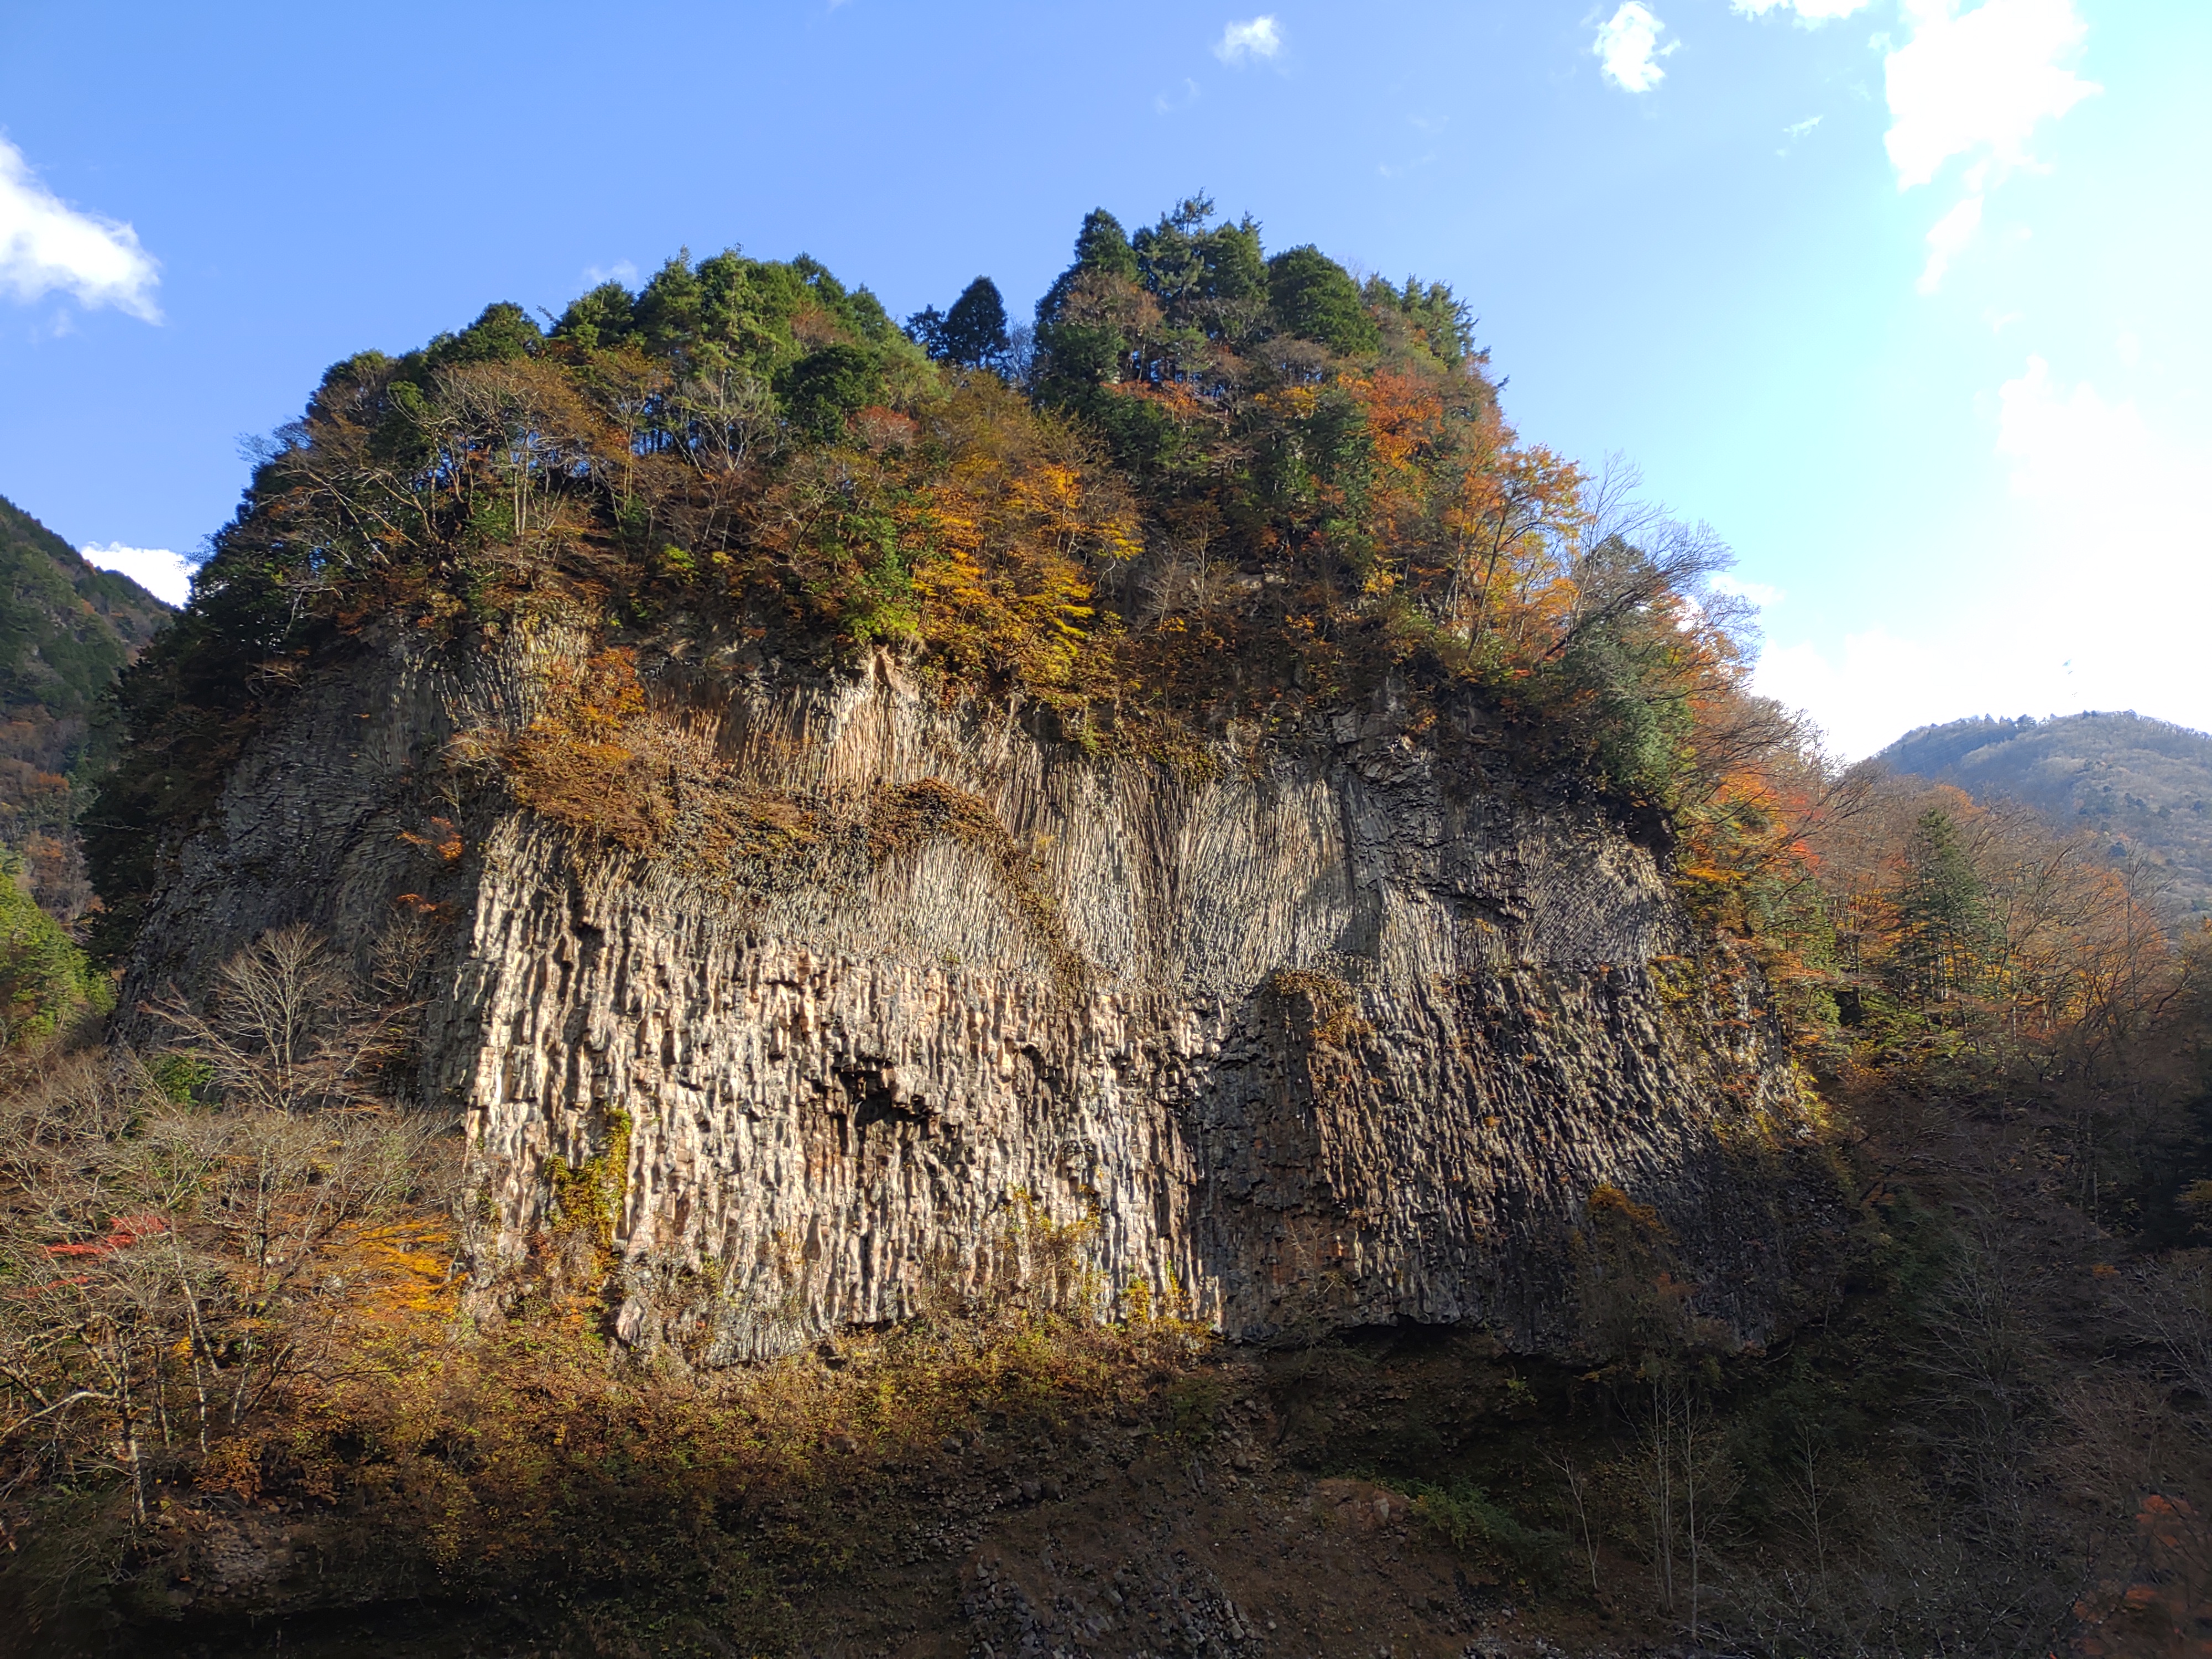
column 1341, row 1026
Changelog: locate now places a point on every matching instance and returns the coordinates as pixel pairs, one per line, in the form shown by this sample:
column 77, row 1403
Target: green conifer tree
column 973, row 334
column 1313, row 297
column 1946, row 943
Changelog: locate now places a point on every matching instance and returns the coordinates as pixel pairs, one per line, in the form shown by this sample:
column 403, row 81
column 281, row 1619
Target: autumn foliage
column 1217, row 487
column 1211, row 490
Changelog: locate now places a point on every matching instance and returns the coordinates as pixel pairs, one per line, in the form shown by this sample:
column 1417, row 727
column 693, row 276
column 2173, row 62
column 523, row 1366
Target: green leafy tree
column 602, row 318
column 1078, row 347
column 1103, row 245
column 728, row 313
column 44, row 979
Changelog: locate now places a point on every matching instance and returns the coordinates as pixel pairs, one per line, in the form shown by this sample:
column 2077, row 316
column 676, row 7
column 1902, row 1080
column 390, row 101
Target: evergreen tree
column 1103, row 245
column 600, row 318
column 824, row 387
column 976, row 327
column 1444, row 324
column 43, row 978
column 1102, row 249
column 1313, row 297
column 1214, row 280
column 973, row 334
column 1946, row 938
column 504, row 332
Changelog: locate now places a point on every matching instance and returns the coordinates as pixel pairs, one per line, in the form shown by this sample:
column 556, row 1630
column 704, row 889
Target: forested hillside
column 1217, row 486
column 66, row 631
column 2144, row 784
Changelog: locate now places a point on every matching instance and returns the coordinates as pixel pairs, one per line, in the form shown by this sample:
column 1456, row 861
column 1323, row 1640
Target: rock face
column 1340, row 1029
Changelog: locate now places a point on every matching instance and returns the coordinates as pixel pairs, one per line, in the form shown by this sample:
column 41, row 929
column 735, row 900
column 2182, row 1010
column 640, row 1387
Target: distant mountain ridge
column 67, row 629
column 2146, row 783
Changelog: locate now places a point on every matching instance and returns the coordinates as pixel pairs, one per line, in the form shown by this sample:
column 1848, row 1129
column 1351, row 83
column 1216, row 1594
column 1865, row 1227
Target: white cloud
column 1947, row 238
column 2108, row 573
column 47, row 246
column 1628, row 46
column 164, row 575
column 2074, row 447
column 1239, row 41
column 1879, row 688
column 1760, row 593
column 1809, row 11
column 1880, row 685
column 1979, row 83
column 621, row 272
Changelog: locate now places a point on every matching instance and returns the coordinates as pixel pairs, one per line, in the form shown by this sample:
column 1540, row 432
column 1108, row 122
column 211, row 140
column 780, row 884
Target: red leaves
column 122, row 1233
column 2168, row 1607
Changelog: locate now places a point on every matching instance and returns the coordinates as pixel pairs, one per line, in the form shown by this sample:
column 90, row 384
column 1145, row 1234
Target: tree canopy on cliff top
column 1211, row 485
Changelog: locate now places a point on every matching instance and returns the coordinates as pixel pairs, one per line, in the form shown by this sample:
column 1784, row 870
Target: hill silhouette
column 2145, row 783
column 67, row 629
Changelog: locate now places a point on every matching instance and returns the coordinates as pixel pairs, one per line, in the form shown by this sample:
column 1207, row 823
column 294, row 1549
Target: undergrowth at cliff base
column 234, row 1325
column 246, row 1382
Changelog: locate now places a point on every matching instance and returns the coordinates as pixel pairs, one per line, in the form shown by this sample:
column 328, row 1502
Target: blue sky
column 1696, row 232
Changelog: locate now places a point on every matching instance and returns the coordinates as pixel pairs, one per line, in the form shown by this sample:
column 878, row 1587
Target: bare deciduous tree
column 167, row 1266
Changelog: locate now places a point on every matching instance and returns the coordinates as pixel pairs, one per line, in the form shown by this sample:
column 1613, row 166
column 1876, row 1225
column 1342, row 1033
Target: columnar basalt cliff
column 1327, row 1027
column 801, row 985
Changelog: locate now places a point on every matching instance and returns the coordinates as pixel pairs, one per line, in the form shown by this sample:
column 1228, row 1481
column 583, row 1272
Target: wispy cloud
column 1399, row 170
column 1628, row 46
column 47, row 246
column 1796, row 131
column 1808, row 11
column 164, row 575
column 1947, row 238
column 1241, row 42
column 1166, row 104
column 621, row 272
